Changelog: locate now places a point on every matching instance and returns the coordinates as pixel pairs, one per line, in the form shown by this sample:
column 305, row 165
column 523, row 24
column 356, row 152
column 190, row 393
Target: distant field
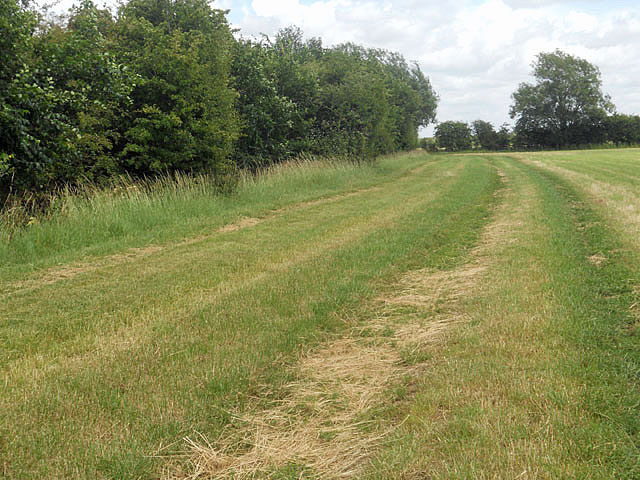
column 432, row 316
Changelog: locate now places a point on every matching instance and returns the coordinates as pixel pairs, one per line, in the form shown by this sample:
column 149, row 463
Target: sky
column 475, row 52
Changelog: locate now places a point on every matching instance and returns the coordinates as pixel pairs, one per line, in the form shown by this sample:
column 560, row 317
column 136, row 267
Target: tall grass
column 88, row 215
column 97, row 220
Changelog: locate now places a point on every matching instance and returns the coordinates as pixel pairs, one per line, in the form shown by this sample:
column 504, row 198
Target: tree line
column 565, row 107
column 163, row 85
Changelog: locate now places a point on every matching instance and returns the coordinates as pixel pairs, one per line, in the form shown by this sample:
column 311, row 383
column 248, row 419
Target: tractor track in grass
column 129, row 336
column 320, row 426
column 227, row 288
column 59, row 273
column 621, row 202
column 99, row 372
column 517, row 391
column 449, row 323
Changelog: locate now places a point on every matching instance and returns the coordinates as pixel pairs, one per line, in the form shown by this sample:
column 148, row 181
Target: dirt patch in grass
column 327, row 200
column 66, row 272
column 319, row 428
column 245, row 222
column 597, row 259
column 426, row 288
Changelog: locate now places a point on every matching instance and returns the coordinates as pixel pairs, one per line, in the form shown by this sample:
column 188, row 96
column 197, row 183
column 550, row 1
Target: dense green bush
column 296, row 96
column 622, row 129
column 182, row 115
column 33, row 136
column 163, row 86
column 453, row 136
column 93, row 87
column 429, row 144
column 486, row 137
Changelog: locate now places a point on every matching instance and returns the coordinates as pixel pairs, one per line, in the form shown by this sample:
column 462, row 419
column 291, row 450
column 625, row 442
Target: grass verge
column 542, row 381
column 104, row 369
column 98, row 222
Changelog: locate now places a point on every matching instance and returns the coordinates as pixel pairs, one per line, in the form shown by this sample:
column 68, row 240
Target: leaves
column 163, row 86
column 296, row 96
column 453, row 136
column 563, row 105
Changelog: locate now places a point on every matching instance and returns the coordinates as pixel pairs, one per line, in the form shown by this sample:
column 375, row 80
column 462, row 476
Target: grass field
column 431, row 316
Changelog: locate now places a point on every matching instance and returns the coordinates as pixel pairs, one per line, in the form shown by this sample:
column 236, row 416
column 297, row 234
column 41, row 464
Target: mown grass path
column 542, row 380
column 455, row 317
column 103, row 369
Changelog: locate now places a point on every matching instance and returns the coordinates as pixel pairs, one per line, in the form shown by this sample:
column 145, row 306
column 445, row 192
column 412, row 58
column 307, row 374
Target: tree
column 163, row 86
column 485, row 135
column 566, row 100
column 30, row 129
column 428, row 144
column 60, row 90
column 488, row 138
column 296, row 96
column 453, row 136
column 182, row 116
column 93, row 89
column 410, row 93
column 503, row 137
column 623, row 129
column 267, row 116
column 355, row 114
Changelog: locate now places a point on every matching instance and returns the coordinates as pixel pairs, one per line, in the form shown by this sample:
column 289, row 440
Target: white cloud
column 476, row 52
column 579, row 22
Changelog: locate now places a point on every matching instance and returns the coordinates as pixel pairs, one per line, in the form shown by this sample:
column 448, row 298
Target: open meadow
column 425, row 316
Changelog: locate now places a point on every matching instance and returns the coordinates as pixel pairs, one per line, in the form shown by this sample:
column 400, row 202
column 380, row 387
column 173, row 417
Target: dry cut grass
column 65, row 272
column 322, row 427
column 621, row 203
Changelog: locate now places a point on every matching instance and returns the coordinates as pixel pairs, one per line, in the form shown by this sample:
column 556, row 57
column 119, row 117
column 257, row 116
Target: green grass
column 117, row 354
column 609, row 180
column 105, row 367
column 97, row 222
column 542, row 382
